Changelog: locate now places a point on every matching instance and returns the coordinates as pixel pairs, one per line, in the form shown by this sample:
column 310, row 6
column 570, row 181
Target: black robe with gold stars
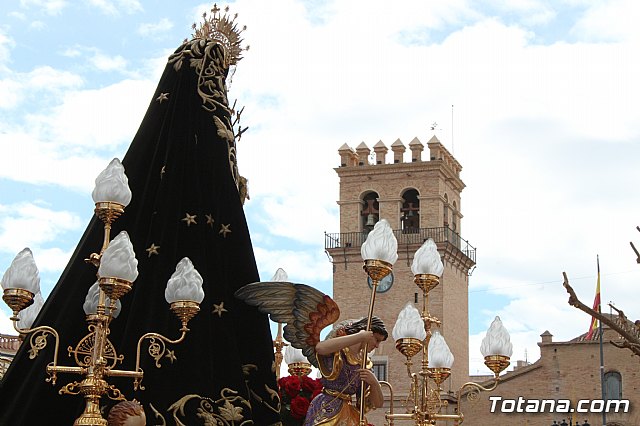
column 183, row 176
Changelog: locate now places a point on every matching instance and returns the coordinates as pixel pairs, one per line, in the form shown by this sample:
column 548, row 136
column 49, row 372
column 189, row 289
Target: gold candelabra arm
column 389, row 419
column 157, row 350
column 473, row 394
column 53, row 370
column 38, row 341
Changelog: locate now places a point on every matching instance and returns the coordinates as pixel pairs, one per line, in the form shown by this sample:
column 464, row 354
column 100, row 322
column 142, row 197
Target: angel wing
column 304, row 310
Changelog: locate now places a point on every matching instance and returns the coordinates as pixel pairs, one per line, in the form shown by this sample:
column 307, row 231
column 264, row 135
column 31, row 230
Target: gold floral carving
column 208, row 63
column 228, row 410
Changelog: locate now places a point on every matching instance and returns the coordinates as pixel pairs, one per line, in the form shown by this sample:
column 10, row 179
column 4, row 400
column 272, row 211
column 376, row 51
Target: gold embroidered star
column 162, row 172
column 224, row 229
column 153, row 249
column 219, row 309
column 189, row 218
column 163, row 97
column 209, row 220
column 171, row 355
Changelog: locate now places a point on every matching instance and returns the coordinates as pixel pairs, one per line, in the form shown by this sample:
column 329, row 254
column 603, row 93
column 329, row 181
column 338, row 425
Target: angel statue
column 306, row 312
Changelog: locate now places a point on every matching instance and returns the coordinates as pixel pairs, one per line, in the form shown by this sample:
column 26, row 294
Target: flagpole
column 604, row 413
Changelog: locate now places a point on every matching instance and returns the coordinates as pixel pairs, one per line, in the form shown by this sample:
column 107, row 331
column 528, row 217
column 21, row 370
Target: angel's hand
column 367, row 376
column 368, row 338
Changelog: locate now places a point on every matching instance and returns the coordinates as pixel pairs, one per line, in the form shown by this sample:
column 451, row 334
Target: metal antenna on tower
column 452, row 150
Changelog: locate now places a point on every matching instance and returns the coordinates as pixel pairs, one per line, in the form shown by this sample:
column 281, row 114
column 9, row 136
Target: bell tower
column 420, row 199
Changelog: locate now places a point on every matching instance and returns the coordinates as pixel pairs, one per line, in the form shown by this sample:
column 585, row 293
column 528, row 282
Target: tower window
column 370, row 213
column 410, row 212
column 445, row 211
column 454, row 217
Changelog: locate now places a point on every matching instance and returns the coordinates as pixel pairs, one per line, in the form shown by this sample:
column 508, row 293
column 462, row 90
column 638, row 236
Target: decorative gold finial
column 223, row 29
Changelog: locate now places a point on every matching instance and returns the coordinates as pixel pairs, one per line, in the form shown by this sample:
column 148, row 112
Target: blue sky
column 545, row 124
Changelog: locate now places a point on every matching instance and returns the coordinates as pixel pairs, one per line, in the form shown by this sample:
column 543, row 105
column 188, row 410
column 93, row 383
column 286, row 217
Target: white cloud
column 105, row 6
column 72, row 52
column 32, row 225
column 610, row 21
column 10, row 90
column 18, row 15
column 110, row 7
column 47, row 78
column 44, row 159
column 6, row 44
column 18, row 87
column 155, row 29
column 37, row 25
column 131, row 6
column 50, row 7
column 301, row 266
column 6, row 327
column 108, row 63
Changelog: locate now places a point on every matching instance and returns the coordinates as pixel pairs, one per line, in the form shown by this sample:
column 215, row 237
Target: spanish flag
column 596, row 306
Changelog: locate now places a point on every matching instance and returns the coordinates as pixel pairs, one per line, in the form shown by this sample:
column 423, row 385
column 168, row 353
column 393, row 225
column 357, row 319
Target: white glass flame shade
column 409, row 324
column 497, row 340
column 90, row 305
column 440, row 355
column 119, row 259
column 185, row 283
column 293, row 355
column 22, row 273
column 381, row 244
column 427, row 260
column 112, row 185
column 28, row 316
column 280, row 275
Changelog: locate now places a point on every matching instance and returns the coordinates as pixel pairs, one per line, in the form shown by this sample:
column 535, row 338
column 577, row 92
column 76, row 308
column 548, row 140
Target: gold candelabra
column 415, row 335
column 94, row 355
column 426, row 396
column 279, row 344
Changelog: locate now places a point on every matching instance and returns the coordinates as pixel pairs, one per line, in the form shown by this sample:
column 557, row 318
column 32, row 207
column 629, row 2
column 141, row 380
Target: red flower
column 311, row 385
column 299, row 407
column 291, row 385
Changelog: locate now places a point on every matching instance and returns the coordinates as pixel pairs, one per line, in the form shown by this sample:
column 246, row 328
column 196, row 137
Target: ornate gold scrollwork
column 37, row 341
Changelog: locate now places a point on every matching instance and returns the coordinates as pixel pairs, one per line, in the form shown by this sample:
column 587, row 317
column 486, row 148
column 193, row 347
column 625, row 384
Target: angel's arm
column 329, row 346
column 376, row 399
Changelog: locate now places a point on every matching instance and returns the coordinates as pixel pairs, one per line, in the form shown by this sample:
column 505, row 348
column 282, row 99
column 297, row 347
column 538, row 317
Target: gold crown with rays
column 222, row 28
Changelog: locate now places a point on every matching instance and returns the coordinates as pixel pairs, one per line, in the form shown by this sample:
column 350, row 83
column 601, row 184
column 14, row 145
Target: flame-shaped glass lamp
column 379, row 251
column 118, row 267
column 427, row 266
column 112, row 185
column 496, row 347
column 380, row 244
column 184, row 291
column 409, row 332
column 92, row 300
column 280, row 275
column 21, row 282
column 298, row 364
column 29, row 315
column 440, row 358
